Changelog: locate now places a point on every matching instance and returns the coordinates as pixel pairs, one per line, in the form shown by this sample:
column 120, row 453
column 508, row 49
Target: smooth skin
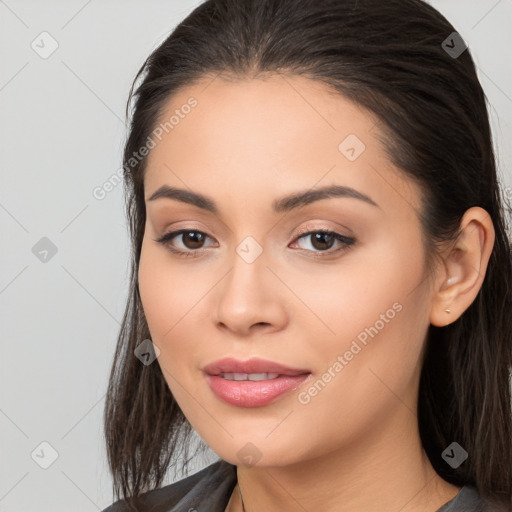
column 355, row 445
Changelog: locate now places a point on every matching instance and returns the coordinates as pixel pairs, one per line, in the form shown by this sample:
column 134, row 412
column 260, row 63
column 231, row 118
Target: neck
column 378, row 471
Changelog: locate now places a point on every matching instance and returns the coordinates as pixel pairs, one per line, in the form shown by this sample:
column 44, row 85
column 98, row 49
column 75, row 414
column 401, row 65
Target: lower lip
column 250, row 393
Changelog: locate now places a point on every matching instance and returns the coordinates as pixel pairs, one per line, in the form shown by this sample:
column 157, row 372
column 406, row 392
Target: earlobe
column 444, row 310
column 462, row 268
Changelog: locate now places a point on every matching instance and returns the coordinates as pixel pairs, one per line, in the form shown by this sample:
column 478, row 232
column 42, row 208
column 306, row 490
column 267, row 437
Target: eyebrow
column 282, row 204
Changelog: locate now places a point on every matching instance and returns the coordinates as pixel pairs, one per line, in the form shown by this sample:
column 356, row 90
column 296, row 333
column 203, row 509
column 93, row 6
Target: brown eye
column 192, row 242
column 322, row 241
column 192, row 239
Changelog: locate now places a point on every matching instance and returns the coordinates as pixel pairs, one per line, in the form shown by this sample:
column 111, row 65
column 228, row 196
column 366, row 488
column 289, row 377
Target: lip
column 249, row 393
column 255, row 365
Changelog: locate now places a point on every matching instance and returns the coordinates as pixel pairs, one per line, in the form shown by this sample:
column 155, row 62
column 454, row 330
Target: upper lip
column 255, row 365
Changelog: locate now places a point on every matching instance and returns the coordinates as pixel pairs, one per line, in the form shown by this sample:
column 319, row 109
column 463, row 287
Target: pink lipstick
column 252, row 383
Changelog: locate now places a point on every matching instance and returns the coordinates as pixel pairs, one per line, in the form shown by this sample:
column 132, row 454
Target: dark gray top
column 209, row 490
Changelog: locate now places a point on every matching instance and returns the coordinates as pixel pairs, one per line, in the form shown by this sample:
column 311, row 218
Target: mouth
column 256, row 366
column 252, row 383
column 249, row 376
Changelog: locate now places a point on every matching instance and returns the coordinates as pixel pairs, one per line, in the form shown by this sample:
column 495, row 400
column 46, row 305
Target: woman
column 321, row 273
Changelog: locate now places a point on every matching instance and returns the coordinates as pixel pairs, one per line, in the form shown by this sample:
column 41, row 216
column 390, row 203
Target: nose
column 250, row 298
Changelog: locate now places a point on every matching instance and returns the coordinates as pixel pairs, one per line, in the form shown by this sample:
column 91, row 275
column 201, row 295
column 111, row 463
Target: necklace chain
column 241, row 499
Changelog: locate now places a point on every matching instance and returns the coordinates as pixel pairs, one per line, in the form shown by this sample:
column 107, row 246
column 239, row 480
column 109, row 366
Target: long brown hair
column 389, row 57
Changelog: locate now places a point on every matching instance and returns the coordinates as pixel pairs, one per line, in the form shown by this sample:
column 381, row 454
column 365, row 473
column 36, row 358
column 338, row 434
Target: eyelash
column 346, row 242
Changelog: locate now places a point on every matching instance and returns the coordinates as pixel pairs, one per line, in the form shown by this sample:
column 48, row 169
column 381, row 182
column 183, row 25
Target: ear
column 462, row 268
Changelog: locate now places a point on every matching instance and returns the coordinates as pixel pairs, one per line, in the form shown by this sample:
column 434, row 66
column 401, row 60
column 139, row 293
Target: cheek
column 343, row 300
column 372, row 307
column 172, row 299
column 166, row 293
column 157, row 302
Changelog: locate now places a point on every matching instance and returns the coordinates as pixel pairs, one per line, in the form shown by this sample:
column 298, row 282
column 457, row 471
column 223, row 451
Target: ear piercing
column 448, row 311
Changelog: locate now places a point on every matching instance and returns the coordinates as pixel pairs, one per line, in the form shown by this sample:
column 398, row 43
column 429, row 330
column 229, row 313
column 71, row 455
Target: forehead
column 254, row 136
column 271, row 112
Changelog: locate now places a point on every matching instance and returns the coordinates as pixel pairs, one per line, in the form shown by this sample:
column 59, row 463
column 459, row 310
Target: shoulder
column 470, row 500
column 206, row 490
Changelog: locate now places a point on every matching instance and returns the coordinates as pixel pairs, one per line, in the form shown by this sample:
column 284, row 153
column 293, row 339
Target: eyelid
column 345, row 240
column 302, row 231
column 174, row 233
column 316, row 228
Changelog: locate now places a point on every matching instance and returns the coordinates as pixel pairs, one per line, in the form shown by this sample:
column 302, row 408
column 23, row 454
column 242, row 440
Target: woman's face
column 352, row 312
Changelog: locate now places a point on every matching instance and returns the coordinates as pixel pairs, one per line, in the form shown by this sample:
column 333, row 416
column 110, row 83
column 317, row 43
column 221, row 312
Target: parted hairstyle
column 388, row 57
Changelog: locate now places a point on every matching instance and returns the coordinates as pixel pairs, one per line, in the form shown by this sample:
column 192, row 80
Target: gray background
column 62, row 130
